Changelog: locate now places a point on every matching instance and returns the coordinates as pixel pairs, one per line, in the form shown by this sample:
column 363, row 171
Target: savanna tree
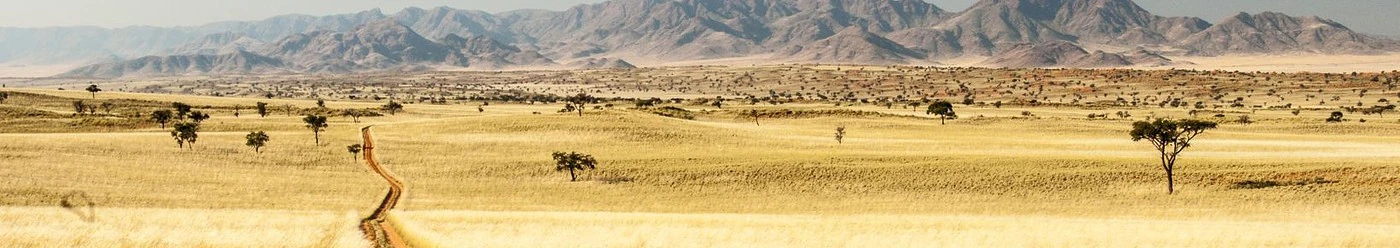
column 162, row 117
column 1170, row 138
column 393, row 107
column 320, row 103
column 198, row 117
column 840, row 134
column 573, row 161
column 317, row 124
column 943, row 109
column 580, row 101
column 354, row 151
column 262, row 109
column 181, row 110
column 257, row 140
column 93, row 89
column 186, row 133
column 3, row 96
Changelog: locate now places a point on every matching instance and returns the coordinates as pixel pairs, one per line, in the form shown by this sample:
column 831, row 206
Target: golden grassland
column 139, row 227
column 991, row 178
column 598, row 229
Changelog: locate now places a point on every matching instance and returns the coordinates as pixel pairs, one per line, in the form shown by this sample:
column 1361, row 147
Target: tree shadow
column 76, row 201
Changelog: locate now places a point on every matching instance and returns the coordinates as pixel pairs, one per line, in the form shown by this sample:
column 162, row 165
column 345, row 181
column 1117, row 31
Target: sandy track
column 379, row 232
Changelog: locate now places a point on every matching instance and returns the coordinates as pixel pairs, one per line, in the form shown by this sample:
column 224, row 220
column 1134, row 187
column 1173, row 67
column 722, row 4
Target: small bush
column 1260, row 184
column 674, row 112
column 1252, row 184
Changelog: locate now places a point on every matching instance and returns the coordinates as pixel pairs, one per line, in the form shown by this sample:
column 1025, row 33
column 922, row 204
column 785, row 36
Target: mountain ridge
column 886, row 32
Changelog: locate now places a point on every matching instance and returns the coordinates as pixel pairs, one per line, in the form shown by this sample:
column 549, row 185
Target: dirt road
column 379, row 232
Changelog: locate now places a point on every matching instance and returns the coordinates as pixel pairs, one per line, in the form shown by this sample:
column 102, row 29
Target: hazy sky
column 1372, row 16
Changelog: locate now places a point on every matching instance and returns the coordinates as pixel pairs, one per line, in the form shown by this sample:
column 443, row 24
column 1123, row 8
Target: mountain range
column 1007, row 33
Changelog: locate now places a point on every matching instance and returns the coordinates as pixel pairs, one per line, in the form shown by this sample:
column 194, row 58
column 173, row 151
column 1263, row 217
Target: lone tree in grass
column 93, row 89
column 354, row 151
column 257, row 140
column 944, row 110
column 186, row 133
column 1170, row 138
column 840, row 134
column 317, row 124
column 3, row 96
column 579, row 101
column 320, row 103
column 262, row 109
column 162, row 117
column 573, row 161
column 393, row 107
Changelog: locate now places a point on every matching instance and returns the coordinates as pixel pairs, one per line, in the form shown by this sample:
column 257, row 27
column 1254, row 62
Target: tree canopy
column 1170, row 138
column 573, row 161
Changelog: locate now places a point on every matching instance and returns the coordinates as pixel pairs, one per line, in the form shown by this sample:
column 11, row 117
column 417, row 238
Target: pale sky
column 1371, row 16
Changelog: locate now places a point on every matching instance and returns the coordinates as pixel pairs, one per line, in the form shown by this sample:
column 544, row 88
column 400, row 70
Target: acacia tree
column 262, row 109
column 579, row 101
column 162, row 117
column 1170, row 138
column 198, row 117
column 257, row 140
column 573, row 161
column 317, row 124
column 93, row 89
column 393, row 107
column 944, row 110
column 186, row 133
column 181, row 110
column 354, row 151
column 840, row 134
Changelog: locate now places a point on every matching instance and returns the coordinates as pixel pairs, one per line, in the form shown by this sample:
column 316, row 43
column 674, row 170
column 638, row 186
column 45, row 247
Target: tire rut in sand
column 379, row 232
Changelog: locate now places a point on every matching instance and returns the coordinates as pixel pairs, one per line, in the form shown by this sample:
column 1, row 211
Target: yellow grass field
column 121, row 227
column 484, row 178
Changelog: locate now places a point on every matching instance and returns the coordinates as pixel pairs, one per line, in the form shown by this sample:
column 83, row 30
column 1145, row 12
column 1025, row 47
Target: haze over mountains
column 1010, row 33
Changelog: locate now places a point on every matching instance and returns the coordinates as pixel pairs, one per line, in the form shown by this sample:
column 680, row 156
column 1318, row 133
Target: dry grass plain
column 485, row 179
